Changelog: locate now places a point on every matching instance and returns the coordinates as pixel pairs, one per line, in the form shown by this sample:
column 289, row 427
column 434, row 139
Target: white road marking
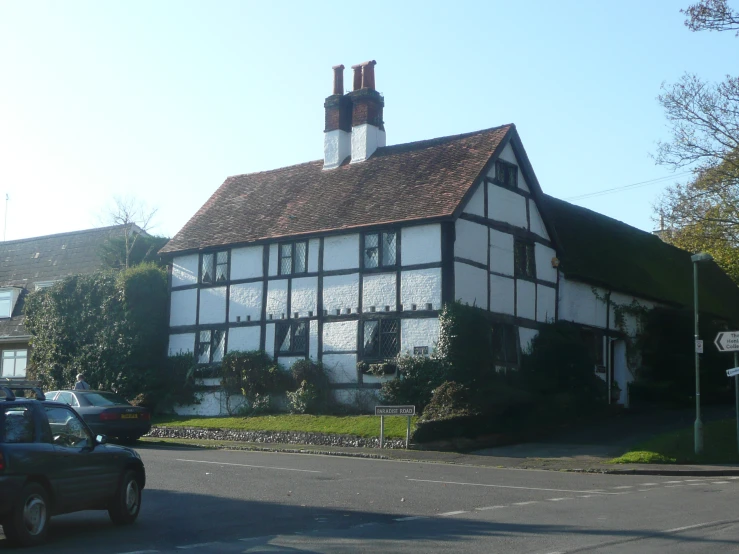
column 693, row 480
column 370, row 524
column 671, row 482
column 623, row 487
column 648, row 484
column 141, row 552
column 696, row 484
column 525, row 503
column 507, row 486
column 696, row 526
column 453, row 513
column 720, row 483
column 559, row 499
column 673, row 486
column 249, row 465
column 410, row 518
column 490, row 508
column 733, row 478
column 198, row 545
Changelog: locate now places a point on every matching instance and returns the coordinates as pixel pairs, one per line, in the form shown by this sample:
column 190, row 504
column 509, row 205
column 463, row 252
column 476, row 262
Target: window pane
column 204, row 347
column 283, row 338
column 219, row 342
column 206, row 269
column 530, row 261
column 371, row 244
column 221, row 266
column 18, row 426
column 371, row 339
column 300, row 341
column 519, row 258
column 5, row 298
column 389, row 338
column 286, row 259
column 388, row 248
column 301, row 251
column 222, row 258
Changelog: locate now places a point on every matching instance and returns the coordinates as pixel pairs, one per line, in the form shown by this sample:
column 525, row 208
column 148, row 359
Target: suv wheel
column 124, row 507
column 28, row 522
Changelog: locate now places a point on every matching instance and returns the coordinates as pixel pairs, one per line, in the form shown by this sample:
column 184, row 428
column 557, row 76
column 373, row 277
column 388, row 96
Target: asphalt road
column 204, row 501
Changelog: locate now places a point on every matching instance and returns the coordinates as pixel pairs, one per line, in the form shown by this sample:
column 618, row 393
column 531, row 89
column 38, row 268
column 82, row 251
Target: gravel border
column 272, row 437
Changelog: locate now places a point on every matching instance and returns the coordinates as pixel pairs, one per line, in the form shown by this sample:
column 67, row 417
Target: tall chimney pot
column 338, row 79
column 357, row 76
column 368, row 74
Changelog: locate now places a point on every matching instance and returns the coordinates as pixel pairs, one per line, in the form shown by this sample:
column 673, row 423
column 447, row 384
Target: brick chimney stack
column 368, row 129
column 338, row 125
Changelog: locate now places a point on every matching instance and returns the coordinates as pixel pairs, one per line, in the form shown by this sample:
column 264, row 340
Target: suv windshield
column 105, row 399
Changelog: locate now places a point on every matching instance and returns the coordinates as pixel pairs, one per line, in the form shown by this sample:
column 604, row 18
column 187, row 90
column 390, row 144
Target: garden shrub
column 313, row 385
column 415, row 382
column 449, row 400
column 304, row 400
column 252, row 373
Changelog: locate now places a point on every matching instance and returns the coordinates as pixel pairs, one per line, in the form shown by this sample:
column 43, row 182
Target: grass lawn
column 362, row 426
column 719, row 447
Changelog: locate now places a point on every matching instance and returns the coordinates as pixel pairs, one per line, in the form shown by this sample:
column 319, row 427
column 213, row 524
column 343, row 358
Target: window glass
column 206, row 269
column 524, row 259
column 219, row 343
column 286, row 259
column 221, row 267
column 14, row 363
column 204, row 347
column 506, row 174
column 371, row 339
column 66, row 428
column 292, row 338
column 371, row 250
column 6, row 299
column 17, row 425
column 300, row 337
column 389, row 338
column 283, row 337
column 104, row 399
column 67, row 398
column 388, row 249
column 301, row 257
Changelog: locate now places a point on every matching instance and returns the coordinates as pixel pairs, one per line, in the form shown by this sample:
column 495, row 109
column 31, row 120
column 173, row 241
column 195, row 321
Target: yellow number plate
column 129, row 416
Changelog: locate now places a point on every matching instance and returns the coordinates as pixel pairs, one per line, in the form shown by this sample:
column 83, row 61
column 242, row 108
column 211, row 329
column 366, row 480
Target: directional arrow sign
column 727, row 341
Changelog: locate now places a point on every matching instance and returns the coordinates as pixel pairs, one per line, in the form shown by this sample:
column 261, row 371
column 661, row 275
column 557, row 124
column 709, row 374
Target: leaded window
column 381, row 339
column 211, row 346
column 524, row 260
column 292, row 337
column 214, row 268
column 506, row 174
column 293, row 258
column 380, row 249
column 505, row 343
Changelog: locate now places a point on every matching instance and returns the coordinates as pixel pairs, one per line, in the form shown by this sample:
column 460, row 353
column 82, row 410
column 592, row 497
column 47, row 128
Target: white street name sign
column 732, row 372
column 727, row 341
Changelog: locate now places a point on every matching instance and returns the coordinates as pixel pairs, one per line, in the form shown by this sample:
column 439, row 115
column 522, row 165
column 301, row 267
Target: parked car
column 51, row 463
column 106, row 413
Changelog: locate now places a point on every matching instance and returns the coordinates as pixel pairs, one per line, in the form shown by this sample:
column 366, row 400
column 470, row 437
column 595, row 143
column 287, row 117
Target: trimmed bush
column 417, row 378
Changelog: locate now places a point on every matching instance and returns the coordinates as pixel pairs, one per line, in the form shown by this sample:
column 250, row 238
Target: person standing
column 81, row 384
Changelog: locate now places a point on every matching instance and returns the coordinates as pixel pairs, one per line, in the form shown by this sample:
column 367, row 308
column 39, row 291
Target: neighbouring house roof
column 405, row 182
column 604, row 251
column 27, row 262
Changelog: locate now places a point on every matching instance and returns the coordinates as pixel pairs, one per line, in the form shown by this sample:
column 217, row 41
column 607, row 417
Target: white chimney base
column 366, row 139
column 337, row 146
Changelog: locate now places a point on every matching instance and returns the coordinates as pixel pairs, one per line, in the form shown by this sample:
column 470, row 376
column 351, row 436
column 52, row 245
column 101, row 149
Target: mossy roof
column 604, row 251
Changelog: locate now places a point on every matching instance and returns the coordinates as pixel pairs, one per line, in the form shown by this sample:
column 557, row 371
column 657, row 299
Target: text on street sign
column 732, row 372
column 727, row 341
column 395, row 410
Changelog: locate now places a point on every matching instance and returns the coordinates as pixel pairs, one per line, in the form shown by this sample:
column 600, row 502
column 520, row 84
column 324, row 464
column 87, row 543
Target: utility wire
column 628, row 187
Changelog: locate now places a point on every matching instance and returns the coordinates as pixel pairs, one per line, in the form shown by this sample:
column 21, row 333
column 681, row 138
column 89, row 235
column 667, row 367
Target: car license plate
column 129, row 416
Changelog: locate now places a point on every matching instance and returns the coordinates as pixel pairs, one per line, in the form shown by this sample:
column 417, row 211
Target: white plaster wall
column 471, row 241
column 212, row 305
column 418, row 332
column 273, row 260
column 339, row 336
column 470, row 285
column 546, row 301
column 287, row 361
column 269, row 339
column 362, row 399
column 507, row 155
column 476, row 203
column 525, row 299
column 341, row 292
column 378, row 290
column 577, row 303
column 313, row 247
column 341, row 252
column 630, row 321
column 185, row 270
column 246, row 263
column 245, row 300
column 420, row 286
column 420, row 244
column 183, row 308
column 507, row 206
column 303, row 296
column 313, row 339
column 525, row 336
column 341, row 368
column 365, row 139
column 543, row 256
column 337, row 146
column 243, row 338
column 181, row 342
column 277, row 298
column 502, row 295
column 501, row 252
column 536, row 222
column 211, row 404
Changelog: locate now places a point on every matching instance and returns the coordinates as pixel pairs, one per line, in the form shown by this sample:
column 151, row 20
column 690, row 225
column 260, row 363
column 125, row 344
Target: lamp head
column 701, row 257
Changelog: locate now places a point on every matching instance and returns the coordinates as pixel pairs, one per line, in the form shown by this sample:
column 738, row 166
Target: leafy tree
column 703, row 215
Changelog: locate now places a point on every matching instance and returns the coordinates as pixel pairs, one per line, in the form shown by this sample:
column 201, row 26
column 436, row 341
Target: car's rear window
column 16, row 424
column 105, row 399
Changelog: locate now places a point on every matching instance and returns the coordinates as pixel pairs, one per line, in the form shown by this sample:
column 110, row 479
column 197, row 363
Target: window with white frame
column 6, row 303
column 380, row 249
column 214, row 268
column 210, row 346
column 13, row 363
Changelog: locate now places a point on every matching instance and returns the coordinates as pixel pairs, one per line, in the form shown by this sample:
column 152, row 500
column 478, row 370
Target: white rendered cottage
column 350, row 258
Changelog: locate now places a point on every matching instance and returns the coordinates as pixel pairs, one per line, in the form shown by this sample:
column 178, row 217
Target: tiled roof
column 25, row 262
column 419, row 180
column 601, row 250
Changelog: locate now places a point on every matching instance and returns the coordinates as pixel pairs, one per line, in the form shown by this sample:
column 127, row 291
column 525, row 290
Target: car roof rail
column 8, row 386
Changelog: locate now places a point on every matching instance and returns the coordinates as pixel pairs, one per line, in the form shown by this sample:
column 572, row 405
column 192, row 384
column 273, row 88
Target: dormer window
column 506, row 174
column 293, row 257
column 380, row 249
column 7, row 300
column 214, row 268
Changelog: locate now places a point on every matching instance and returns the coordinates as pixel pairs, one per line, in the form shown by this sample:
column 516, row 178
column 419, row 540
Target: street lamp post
column 698, row 433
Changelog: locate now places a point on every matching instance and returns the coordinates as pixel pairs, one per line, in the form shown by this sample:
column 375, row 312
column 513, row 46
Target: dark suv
column 50, row 464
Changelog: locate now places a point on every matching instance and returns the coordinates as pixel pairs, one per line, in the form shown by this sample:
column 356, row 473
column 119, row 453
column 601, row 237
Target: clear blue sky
column 162, row 100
